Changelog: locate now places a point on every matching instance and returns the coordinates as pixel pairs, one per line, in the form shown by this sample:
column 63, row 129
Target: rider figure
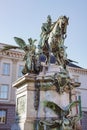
column 46, row 28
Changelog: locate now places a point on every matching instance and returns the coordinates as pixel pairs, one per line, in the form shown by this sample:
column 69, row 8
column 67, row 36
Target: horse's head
column 59, row 27
column 63, row 22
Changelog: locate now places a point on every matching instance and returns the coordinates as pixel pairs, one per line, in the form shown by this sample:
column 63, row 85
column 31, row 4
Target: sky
column 24, row 18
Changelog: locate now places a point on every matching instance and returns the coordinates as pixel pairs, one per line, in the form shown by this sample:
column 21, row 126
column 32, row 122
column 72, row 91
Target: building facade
column 11, row 65
column 80, row 75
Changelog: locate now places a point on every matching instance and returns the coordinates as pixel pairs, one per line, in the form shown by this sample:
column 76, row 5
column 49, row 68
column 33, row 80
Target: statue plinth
column 31, row 91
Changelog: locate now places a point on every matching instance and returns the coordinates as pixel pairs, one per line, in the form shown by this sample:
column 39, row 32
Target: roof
column 73, row 65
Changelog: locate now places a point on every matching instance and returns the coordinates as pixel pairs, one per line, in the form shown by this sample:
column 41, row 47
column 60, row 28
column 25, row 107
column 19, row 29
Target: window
column 20, row 70
column 4, row 91
column 75, row 78
column 2, row 116
column 6, row 69
column 80, row 110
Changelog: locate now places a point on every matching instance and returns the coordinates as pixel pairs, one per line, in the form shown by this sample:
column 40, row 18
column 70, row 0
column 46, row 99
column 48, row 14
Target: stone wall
column 10, row 115
column 84, row 120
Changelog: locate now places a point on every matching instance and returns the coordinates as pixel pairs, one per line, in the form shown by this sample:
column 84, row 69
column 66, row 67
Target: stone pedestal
column 27, row 111
column 31, row 91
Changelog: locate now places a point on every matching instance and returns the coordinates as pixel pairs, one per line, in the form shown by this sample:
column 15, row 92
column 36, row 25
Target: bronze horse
column 55, row 40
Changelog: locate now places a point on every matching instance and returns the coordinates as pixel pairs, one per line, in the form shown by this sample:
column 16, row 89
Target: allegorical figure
column 30, row 58
column 65, row 121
